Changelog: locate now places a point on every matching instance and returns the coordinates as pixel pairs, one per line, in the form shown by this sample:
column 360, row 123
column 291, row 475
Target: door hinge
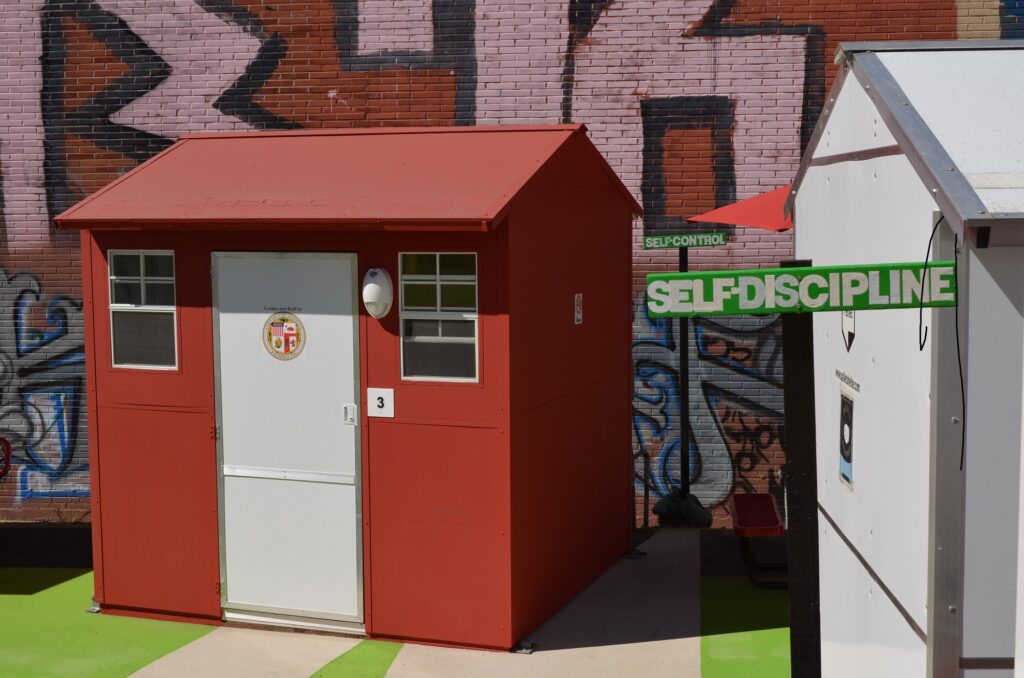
column 215, row 432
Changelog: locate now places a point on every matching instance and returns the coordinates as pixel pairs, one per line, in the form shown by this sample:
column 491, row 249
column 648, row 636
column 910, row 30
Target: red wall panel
column 572, row 510
column 439, row 502
column 570, row 384
column 436, row 476
column 160, row 536
column 153, row 438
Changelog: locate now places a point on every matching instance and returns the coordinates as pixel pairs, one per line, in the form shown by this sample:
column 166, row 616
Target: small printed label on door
column 284, row 336
column 380, row 402
column 846, row 437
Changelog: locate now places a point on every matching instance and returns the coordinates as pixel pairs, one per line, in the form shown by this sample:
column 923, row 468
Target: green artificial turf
column 368, row 659
column 46, row 630
column 744, row 629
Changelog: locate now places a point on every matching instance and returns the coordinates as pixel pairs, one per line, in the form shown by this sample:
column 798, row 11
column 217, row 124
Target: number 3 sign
column 380, row 402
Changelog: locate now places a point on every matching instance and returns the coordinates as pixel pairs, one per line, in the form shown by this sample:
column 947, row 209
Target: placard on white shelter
column 919, row 559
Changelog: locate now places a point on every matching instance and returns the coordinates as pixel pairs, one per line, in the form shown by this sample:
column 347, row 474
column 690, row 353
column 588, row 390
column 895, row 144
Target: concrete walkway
column 249, row 652
column 641, row 618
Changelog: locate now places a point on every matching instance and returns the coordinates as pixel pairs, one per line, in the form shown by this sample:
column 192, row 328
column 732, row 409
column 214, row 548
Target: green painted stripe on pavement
column 744, row 629
column 47, row 632
column 368, row 659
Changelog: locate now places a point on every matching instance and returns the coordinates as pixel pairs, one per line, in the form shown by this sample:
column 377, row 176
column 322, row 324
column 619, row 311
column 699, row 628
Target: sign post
column 801, row 490
column 682, row 242
column 799, row 288
column 684, row 387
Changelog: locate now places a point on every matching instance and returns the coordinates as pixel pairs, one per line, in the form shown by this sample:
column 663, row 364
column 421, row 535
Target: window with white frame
column 438, row 315
column 142, row 311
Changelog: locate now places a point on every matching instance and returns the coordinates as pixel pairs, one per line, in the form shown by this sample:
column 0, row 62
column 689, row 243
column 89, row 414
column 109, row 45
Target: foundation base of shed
column 160, row 616
column 303, row 623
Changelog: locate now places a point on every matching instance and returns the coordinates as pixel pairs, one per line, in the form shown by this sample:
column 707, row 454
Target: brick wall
column 695, row 103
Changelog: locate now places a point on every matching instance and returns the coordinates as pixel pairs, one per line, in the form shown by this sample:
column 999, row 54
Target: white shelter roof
column 954, row 108
column 973, row 102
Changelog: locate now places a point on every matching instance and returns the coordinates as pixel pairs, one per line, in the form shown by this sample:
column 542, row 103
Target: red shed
column 271, row 442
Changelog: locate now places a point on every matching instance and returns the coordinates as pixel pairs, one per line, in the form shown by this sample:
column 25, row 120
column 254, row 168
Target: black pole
column 801, row 491
column 684, row 388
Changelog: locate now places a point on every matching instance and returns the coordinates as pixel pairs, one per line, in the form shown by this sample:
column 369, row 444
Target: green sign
column 801, row 290
column 675, row 242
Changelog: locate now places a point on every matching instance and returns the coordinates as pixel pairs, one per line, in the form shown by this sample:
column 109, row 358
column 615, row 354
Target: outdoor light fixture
column 378, row 293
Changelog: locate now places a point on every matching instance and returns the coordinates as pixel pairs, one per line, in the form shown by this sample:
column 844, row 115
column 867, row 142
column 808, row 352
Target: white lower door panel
column 286, row 548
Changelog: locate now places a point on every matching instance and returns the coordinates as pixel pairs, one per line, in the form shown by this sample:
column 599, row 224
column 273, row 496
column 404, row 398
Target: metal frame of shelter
column 967, row 217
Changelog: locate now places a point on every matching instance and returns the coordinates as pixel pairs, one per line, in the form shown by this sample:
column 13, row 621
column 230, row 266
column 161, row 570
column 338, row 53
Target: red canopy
column 766, row 211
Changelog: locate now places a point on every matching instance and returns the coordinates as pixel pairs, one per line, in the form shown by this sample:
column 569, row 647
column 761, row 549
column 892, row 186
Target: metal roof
column 847, row 48
column 455, row 177
column 953, row 108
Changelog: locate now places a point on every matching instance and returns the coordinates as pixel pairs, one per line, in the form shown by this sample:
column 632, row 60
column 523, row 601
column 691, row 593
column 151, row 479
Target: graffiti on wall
column 148, row 89
column 735, row 421
column 736, row 366
column 694, row 73
column 698, row 128
column 694, row 102
column 93, row 87
column 409, row 35
column 657, row 408
column 22, row 138
column 42, row 435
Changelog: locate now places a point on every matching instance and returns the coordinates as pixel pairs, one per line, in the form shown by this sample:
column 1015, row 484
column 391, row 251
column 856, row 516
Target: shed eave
column 999, row 229
column 599, row 158
column 366, row 131
column 69, row 213
column 166, row 194
column 816, row 134
column 996, row 220
column 953, row 194
column 500, row 209
column 854, row 47
column 475, row 224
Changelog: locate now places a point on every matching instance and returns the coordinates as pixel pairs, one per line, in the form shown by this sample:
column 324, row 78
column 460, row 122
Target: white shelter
column 919, row 504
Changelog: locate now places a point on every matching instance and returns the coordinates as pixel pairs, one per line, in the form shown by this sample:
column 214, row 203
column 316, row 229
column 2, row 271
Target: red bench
column 754, row 516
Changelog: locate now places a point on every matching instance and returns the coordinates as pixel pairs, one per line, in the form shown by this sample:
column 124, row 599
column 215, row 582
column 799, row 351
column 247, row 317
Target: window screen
column 439, row 316
column 142, row 309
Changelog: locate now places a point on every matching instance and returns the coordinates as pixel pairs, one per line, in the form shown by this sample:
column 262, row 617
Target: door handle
column 350, row 413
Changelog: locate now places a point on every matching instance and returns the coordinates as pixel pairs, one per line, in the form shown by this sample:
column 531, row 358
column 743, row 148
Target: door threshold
column 293, row 623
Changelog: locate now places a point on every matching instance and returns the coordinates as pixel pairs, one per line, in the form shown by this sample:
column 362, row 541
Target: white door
column 285, row 329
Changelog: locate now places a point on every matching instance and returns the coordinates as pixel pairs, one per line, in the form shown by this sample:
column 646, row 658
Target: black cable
column 959, row 360
column 921, row 341
column 956, row 328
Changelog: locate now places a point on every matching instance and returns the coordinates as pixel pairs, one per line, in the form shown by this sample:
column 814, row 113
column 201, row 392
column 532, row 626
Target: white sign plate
column 380, row 402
